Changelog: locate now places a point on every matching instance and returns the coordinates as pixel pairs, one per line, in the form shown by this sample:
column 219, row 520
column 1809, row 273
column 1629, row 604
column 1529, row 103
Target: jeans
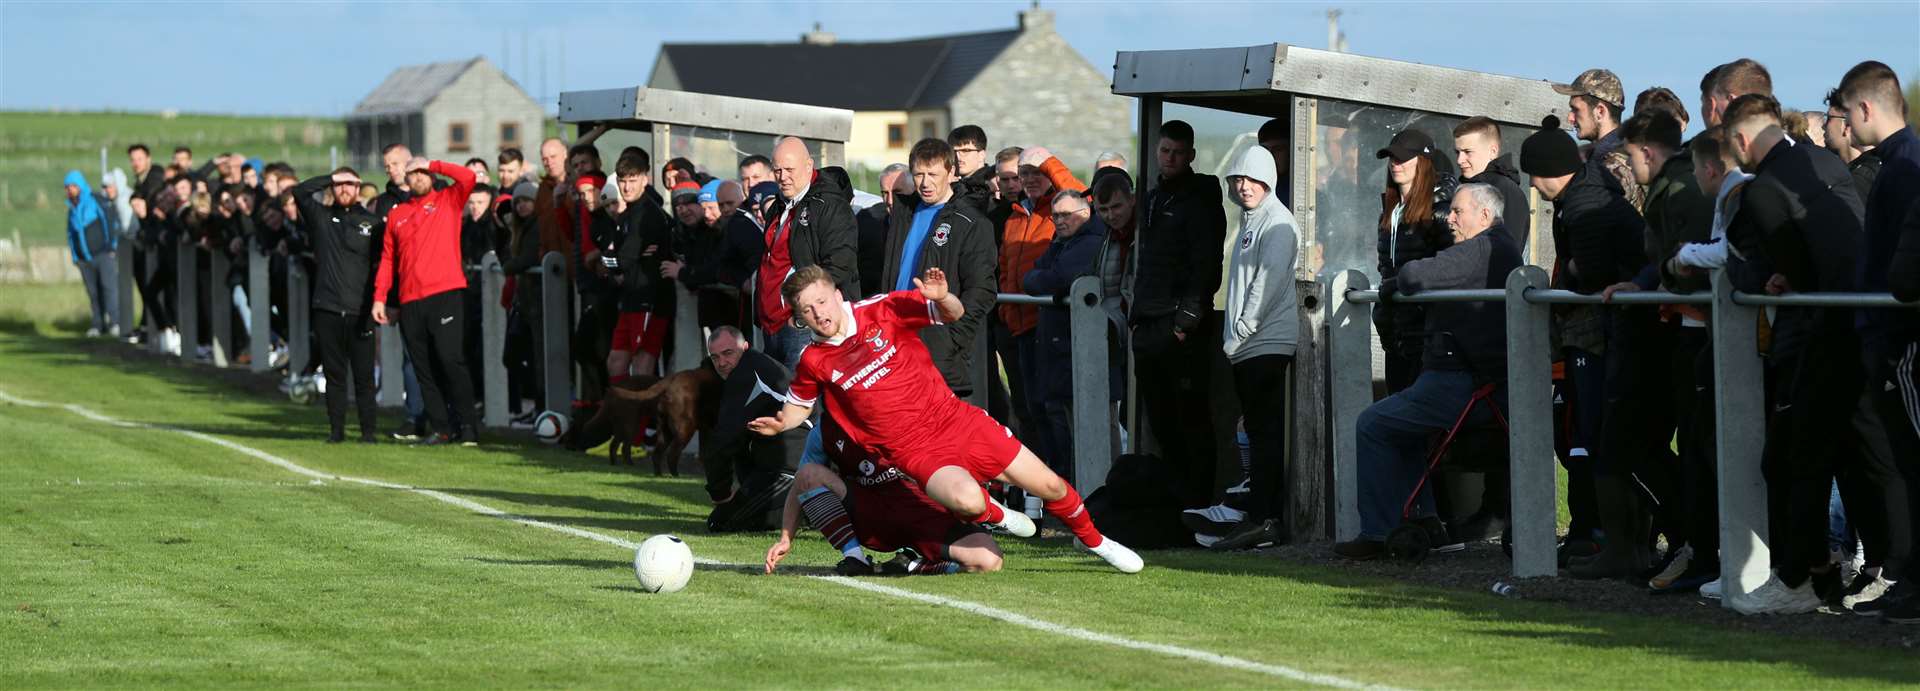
column 785, row 345
column 102, row 279
column 1393, row 435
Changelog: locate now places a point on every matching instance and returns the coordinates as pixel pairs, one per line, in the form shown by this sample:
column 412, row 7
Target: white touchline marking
column 1014, row 618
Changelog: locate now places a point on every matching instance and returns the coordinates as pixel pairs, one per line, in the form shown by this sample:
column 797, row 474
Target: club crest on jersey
column 366, row 229
column 866, row 468
column 940, row 234
column 875, row 339
column 1246, row 239
column 803, row 216
column 840, row 445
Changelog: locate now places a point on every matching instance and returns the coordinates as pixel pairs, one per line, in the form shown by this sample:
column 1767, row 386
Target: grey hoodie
column 1262, row 310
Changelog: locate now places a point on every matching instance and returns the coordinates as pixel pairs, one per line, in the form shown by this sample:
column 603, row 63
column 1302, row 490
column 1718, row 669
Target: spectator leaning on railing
column 1465, row 350
column 1077, row 238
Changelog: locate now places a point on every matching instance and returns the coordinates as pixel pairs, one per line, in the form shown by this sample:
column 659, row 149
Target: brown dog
column 682, row 403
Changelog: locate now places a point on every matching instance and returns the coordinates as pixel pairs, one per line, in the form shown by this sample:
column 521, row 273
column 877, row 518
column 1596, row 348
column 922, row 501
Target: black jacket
column 522, row 256
column 1516, row 216
column 823, row 231
column 1598, row 231
column 749, row 392
column 1403, row 328
column 1799, row 217
column 1180, row 252
column 960, row 243
column 871, row 223
column 643, row 236
column 346, row 248
column 1895, row 188
column 1053, row 275
column 1903, row 273
column 1677, row 213
column 1464, row 336
column 1865, row 169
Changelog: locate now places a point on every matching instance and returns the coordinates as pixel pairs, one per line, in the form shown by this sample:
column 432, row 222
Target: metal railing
column 1740, row 423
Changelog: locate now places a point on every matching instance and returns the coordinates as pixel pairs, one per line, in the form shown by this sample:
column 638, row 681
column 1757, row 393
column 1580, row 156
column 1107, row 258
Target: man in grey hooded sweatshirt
column 1262, row 327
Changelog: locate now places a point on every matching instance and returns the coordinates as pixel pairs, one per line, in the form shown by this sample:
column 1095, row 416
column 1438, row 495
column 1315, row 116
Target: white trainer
column 1015, row 523
column 1674, row 568
column 1774, row 597
column 1117, row 555
column 1873, row 590
column 1711, row 589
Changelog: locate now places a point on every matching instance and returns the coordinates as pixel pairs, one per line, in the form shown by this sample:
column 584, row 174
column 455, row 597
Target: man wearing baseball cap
column 1595, row 103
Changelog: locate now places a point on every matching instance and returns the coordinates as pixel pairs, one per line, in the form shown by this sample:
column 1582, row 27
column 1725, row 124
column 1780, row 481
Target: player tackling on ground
column 857, row 499
column 886, row 393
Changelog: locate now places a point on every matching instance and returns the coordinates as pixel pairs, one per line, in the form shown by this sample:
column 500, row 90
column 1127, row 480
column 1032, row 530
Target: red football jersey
column 881, row 381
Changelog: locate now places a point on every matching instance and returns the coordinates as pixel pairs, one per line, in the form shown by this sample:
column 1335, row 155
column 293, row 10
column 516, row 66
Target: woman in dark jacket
column 1412, row 226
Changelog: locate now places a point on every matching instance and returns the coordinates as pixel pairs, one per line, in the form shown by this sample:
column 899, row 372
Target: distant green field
column 38, row 148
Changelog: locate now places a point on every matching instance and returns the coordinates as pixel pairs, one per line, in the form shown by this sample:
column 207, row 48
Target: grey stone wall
column 1040, row 91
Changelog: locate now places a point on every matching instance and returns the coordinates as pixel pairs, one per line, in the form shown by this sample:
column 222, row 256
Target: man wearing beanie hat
column 1595, row 104
column 717, row 251
column 1597, row 239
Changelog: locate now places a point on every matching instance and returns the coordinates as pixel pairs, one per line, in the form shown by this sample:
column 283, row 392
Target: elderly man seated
column 1465, row 349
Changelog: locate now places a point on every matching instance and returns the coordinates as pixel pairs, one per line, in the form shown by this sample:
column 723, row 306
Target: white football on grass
column 663, row 564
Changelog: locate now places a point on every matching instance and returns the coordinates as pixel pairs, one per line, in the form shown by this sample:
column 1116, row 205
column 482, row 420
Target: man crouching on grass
column 886, row 393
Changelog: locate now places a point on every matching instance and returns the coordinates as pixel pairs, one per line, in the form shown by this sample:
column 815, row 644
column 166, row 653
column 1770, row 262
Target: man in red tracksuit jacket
column 424, row 233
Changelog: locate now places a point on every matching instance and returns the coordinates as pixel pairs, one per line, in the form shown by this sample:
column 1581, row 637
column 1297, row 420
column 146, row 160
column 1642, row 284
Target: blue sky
column 318, row 58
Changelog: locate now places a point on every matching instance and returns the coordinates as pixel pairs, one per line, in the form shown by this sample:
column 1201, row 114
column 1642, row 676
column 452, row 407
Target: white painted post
column 493, row 337
column 1092, row 398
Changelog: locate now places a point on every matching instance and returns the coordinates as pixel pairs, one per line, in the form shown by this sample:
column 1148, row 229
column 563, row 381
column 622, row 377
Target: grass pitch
column 143, row 556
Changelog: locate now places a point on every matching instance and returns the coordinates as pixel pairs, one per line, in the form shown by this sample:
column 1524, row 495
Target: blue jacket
column 90, row 230
column 1053, row 274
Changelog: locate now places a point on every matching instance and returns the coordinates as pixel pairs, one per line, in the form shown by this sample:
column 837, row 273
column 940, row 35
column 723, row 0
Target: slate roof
column 892, row 75
column 409, row 89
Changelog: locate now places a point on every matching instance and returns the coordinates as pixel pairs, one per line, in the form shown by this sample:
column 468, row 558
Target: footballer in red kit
column 868, row 363
column 857, row 499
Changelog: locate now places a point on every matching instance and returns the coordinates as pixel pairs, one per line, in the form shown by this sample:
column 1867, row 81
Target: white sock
column 853, row 550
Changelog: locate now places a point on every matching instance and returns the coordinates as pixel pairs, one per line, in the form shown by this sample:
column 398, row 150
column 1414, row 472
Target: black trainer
column 1906, row 612
column 1250, row 535
column 470, row 437
column 1437, row 532
column 853, row 566
column 1361, row 549
column 336, row 437
column 1898, row 595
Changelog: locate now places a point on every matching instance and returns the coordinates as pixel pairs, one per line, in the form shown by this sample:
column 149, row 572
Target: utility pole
column 1336, row 41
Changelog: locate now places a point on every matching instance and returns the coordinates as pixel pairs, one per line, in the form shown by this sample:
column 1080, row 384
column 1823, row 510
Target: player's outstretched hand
column 764, row 426
column 777, row 552
column 933, row 286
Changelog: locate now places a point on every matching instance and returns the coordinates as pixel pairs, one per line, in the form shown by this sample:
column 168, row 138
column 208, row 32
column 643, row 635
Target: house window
column 897, row 135
column 457, row 139
column 929, row 129
column 509, row 134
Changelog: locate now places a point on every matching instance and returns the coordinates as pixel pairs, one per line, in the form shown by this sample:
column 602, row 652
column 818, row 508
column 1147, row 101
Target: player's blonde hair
column 801, row 279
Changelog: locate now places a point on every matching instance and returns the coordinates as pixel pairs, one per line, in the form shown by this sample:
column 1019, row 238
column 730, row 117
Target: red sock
column 993, row 514
column 615, row 379
column 1070, row 510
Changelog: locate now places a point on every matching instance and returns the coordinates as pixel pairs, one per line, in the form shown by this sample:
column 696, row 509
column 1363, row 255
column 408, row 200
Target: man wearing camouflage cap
column 1595, row 104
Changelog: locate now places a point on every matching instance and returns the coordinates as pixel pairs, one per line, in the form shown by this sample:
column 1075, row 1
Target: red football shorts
column 896, row 516
column 640, row 332
column 972, row 440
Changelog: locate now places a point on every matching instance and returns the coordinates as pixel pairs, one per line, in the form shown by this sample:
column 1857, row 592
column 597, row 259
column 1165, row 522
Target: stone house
column 1025, row 86
column 450, row 111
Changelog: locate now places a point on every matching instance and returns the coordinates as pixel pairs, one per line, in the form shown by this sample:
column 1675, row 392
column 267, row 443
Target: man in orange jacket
column 424, row 233
column 1028, row 233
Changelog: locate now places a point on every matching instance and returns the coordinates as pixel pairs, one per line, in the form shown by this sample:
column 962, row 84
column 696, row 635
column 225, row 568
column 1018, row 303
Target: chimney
column 816, row 37
column 1036, row 19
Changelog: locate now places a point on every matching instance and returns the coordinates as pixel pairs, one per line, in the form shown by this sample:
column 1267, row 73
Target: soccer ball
column 663, row 563
column 549, row 427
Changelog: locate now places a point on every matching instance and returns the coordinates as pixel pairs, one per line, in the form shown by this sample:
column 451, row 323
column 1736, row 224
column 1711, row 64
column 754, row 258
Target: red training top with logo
column 881, row 381
column 424, row 234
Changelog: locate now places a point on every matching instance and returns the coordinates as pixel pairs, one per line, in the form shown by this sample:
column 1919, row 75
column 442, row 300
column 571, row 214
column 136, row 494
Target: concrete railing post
column 688, row 341
column 493, row 342
column 1092, row 396
column 1529, row 410
column 220, row 306
column 187, row 296
column 260, row 304
column 299, row 318
column 1740, row 436
column 392, row 354
column 1349, row 391
column 123, row 289
column 555, row 362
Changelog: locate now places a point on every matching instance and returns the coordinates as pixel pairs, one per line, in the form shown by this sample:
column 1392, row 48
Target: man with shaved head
column 814, row 227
